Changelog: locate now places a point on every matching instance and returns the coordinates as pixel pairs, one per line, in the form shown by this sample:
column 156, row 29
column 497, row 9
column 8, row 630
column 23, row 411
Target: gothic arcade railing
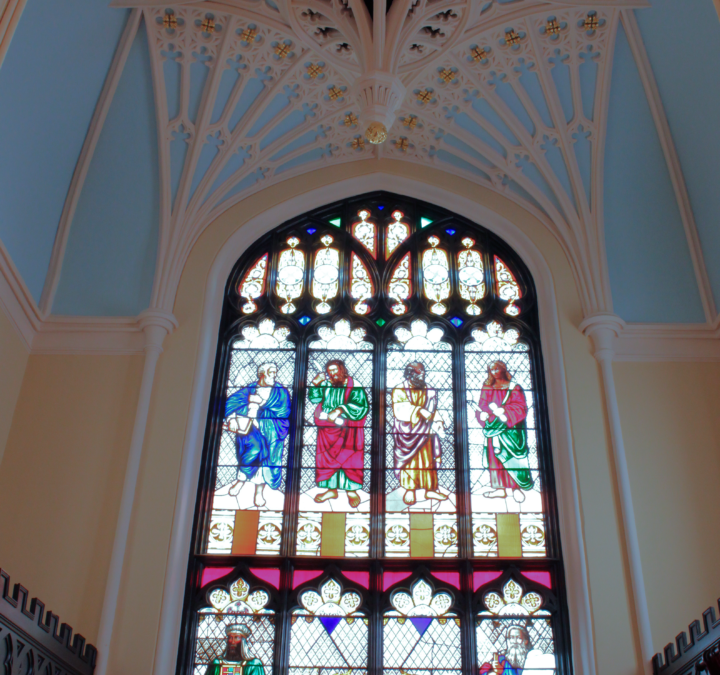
column 30, row 642
column 698, row 650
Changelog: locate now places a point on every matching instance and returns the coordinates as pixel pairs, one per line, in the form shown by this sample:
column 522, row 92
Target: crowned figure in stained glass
column 237, row 659
column 258, row 414
column 415, row 430
column 342, row 405
column 501, row 412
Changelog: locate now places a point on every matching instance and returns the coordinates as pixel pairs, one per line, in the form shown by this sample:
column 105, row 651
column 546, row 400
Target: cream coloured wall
column 61, row 479
column 136, row 628
column 13, row 359
column 670, row 414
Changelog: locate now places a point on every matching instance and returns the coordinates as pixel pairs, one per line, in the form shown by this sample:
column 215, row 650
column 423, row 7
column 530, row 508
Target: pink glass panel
column 452, row 578
column 272, row 576
column 480, row 578
column 543, row 578
column 390, row 578
column 211, row 573
column 361, row 578
column 301, row 576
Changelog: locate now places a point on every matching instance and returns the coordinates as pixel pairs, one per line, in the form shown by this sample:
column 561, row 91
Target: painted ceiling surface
column 557, row 104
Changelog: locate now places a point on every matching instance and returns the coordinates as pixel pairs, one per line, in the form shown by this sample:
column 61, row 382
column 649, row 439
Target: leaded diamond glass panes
column 361, row 286
column 253, row 284
column 505, row 485
column 397, row 232
column 400, row 285
column 376, row 449
column 514, row 632
column 421, row 633
column 235, row 627
column 334, row 503
column 471, row 274
column 420, row 480
column 290, row 275
column 329, row 632
column 507, row 287
column 436, row 276
column 250, row 479
column 364, row 231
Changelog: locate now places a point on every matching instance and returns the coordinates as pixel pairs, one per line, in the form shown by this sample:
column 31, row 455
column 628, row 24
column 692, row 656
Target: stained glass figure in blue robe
column 258, row 414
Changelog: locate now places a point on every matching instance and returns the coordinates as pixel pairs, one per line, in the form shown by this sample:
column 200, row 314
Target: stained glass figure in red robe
column 501, row 411
column 342, row 405
column 415, row 430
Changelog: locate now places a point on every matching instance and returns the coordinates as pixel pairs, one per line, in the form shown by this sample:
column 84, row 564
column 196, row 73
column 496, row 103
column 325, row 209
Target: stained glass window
column 376, row 486
column 253, row 284
column 400, row 285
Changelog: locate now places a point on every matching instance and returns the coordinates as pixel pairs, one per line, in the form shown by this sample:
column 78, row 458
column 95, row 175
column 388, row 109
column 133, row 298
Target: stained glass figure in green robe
column 342, row 406
column 237, row 659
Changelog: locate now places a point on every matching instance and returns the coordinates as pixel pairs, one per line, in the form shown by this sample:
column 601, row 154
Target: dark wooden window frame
column 467, row 601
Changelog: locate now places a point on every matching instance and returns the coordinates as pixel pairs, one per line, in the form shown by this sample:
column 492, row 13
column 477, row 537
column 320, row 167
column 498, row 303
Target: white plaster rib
column 92, row 137
column 10, row 13
column 672, row 160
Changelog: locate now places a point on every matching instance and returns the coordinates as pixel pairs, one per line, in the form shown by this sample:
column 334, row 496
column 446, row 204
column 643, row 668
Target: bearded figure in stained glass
column 258, row 415
column 237, row 659
column 342, row 405
column 415, row 430
column 518, row 656
column 501, row 412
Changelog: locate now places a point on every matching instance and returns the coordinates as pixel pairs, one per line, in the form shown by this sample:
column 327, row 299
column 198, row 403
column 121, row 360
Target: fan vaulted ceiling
column 547, row 102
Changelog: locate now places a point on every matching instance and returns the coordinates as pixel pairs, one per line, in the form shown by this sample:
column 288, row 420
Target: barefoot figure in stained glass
column 342, row 406
column 237, row 659
column 415, row 430
column 258, row 415
column 519, row 655
column 501, row 411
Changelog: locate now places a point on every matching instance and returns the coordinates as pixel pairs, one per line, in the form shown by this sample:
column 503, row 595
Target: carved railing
column 30, row 642
column 694, row 652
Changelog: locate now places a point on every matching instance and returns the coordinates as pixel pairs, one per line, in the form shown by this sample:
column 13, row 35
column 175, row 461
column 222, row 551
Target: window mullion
column 462, row 472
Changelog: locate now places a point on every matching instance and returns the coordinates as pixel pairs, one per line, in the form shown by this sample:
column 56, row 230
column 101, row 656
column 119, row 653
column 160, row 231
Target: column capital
column 156, row 324
column 602, row 328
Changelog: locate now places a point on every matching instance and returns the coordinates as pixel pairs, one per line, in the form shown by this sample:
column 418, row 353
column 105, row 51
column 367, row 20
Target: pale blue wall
column 49, row 85
column 651, row 273
column 110, row 258
column 683, row 43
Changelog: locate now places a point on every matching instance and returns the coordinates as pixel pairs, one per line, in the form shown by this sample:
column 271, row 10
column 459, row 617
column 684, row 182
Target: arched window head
column 377, row 490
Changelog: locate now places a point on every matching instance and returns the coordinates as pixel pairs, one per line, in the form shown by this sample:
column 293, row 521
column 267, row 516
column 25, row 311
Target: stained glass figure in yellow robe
column 415, row 431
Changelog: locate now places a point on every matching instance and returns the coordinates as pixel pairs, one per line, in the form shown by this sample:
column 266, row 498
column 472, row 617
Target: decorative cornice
column 690, row 645
column 42, row 628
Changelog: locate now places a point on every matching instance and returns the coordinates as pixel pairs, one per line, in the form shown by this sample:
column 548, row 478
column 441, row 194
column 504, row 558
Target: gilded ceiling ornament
column 552, row 27
column 512, row 37
column 424, row 96
column 249, row 35
column 410, row 122
column 447, row 75
column 350, row 120
column 402, row 143
column 376, row 133
column 591, row 21
column 313, row 70
column 478, row 53
column 170, row 21
column 358, row 143
column 208, row 25
column 282, row 50
column 335, row 93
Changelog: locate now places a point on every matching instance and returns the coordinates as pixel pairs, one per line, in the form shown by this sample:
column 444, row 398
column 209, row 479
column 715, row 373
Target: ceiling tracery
column 510, row 94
